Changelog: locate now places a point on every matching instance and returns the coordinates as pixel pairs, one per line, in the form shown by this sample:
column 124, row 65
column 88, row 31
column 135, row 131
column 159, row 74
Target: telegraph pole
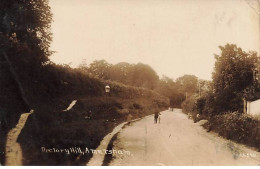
column 199, row 90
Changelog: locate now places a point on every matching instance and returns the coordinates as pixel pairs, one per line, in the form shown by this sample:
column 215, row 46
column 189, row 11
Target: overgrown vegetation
column 235, row 126
column 222, row 104
column 9, row 114
column 95, row 114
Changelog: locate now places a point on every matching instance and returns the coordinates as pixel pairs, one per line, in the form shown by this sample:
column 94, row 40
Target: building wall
column 258, row 69
column 253, row 108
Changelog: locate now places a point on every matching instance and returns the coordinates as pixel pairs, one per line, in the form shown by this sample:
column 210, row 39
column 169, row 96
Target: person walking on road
column 156, row 116
column 159, row 117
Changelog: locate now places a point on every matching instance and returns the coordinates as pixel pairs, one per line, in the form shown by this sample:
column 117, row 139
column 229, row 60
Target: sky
column 175, row 37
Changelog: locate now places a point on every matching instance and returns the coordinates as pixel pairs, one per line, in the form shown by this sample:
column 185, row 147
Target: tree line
column 143, row 75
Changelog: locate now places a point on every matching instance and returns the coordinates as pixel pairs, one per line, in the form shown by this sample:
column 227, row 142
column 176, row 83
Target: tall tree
column 233, row 72
column 121, row 72
column 100, row 69
column 143, row 75
column 25, row 38
column 26, row 23
column 188, row 84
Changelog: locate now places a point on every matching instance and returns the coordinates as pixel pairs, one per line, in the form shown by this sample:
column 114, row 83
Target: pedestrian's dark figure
column 156, row 115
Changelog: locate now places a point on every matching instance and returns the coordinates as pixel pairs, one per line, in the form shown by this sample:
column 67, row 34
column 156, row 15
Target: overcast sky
column 175, row 37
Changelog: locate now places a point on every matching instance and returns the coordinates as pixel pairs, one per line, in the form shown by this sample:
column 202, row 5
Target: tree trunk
column 16, row 79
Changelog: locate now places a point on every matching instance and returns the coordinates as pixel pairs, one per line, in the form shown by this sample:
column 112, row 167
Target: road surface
column 177, row 141
column 97, row 159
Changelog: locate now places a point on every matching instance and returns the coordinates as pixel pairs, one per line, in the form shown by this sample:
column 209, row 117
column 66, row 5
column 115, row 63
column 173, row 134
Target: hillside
column 11, row 104
column 94, row 115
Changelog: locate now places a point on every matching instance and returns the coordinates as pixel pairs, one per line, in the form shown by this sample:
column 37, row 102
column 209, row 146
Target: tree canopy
column 139, row 75
column 188, row 84
column 26, row 25
column 142, row 75
column 233, row 73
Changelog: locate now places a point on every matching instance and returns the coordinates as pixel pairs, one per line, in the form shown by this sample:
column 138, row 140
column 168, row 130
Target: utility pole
column 199, row 89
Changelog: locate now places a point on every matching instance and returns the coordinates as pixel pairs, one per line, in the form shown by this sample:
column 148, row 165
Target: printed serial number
column 247, row 155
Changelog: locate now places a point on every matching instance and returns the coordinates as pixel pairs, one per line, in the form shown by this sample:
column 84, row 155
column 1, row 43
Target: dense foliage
column 233, row 73
column 233, row 81
column 139, row 75
column 27, row 22
column 142, row 75
column 222, row 105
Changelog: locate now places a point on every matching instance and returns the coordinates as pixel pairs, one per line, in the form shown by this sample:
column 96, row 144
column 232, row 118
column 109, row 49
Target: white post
column 244, row 100
column 248, row 107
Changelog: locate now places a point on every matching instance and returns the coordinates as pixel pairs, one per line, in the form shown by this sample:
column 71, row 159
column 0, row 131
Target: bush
column 137, row 106
column 241, row 128
column 189, row 105
column 193, row 106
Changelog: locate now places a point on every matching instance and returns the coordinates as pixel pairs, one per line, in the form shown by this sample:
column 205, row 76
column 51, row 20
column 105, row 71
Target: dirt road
column 177, row 141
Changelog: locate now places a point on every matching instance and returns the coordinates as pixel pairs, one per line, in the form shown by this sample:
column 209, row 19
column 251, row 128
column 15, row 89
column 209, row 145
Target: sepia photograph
column 129, row 83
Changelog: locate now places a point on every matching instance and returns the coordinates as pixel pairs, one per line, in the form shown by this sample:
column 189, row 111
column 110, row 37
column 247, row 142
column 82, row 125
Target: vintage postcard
column 129, row 83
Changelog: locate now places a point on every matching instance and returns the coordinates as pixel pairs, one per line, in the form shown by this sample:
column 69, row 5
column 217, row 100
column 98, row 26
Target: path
column 177, row 141
column 13, row 152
